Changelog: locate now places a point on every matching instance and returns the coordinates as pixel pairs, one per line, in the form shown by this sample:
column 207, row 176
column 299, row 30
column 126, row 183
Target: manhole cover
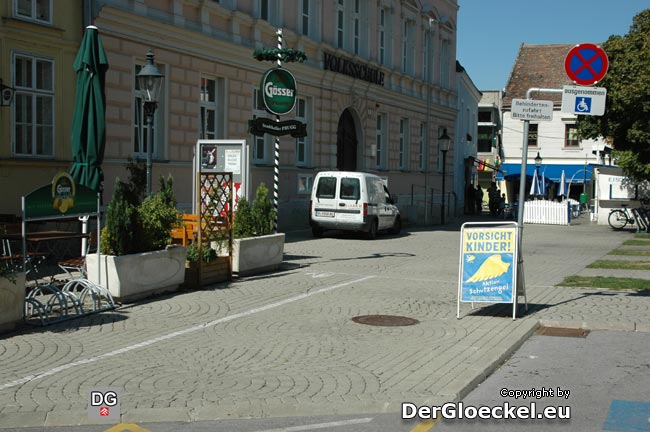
column 385, row 320
column 563, row 332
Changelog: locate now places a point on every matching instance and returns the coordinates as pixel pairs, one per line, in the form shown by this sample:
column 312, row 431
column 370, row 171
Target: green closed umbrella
column 88, row 124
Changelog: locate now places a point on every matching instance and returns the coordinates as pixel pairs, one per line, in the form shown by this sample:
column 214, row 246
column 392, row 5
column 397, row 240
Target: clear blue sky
column 491, row 31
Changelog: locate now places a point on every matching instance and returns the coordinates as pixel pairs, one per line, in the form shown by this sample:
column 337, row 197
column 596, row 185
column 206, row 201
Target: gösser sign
column 278, row 89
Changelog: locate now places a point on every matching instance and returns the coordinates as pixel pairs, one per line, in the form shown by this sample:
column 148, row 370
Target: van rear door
column 325, row 202
column 350, row 206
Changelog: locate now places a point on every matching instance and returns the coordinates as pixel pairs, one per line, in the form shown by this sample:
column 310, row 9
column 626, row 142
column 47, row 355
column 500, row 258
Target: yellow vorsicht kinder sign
column 488, row 263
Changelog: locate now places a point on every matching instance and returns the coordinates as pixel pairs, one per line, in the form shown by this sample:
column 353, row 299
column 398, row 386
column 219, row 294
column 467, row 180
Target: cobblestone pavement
column 283, row 344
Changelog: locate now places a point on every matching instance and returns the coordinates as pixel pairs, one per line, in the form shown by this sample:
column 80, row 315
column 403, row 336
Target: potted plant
column 214, row 268
column 256, row 248
column 136, row 258
column 12, row 293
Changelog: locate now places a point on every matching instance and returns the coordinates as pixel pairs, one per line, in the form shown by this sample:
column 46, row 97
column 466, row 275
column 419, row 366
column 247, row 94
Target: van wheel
column 397, row 226
column 317, row 231
column 372, row 230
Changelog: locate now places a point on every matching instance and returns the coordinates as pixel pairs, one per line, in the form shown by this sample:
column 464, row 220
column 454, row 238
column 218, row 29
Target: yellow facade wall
column 58, row 42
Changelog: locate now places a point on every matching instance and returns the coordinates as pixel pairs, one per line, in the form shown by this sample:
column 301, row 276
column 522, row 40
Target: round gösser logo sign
column 278, row 91
column 586, row 64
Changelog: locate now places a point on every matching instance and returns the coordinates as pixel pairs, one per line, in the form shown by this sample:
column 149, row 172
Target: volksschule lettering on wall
column 353, row 69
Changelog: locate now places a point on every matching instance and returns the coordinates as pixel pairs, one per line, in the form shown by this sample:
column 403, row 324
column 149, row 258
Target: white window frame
column 426, row 44
column 567, row 129
column 535, row 133
column 305, row 16
column 269, row 10
column 304, row 183
column 404, row 144
column 440, row 131
column 381, row 37
column 140, row 135
column 264, row 10
column 211, row 104
column 380, row 146
column 34, row 93
column 408, row 45
column 340, row 24
column 34, row 6
column 445, row 63
column 262, row 143
column 405, row 41
column 356, row 28
column 422, row 147
column 304, row 114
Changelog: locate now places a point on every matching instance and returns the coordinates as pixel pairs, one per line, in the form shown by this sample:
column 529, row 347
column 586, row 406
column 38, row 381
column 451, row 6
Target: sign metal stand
column 491, row 269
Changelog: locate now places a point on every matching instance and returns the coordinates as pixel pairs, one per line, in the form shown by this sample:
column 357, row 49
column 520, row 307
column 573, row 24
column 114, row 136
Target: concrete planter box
column 254, row 255
column 131, row 277
column 12, row 302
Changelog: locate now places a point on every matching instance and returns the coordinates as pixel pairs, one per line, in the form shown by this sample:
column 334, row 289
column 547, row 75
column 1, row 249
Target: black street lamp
column 538, row 163
column 150, row 81
column 444, row 141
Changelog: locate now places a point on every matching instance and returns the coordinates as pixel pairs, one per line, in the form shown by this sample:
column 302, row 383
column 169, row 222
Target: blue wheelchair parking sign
column 583, row 105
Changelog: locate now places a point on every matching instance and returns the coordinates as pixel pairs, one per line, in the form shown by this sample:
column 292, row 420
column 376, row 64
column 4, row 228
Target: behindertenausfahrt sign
column 532, row 110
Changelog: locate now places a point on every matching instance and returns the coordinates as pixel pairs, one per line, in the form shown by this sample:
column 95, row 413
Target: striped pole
column 276, row 160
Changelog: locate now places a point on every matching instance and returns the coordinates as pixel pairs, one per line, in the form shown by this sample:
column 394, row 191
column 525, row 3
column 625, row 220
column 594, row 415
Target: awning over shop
column 576, row 174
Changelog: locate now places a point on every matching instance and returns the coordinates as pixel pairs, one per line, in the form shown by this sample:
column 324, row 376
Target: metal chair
column 78, row 264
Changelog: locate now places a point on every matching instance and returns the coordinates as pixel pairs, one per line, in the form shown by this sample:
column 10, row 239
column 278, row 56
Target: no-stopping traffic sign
column 586, row 64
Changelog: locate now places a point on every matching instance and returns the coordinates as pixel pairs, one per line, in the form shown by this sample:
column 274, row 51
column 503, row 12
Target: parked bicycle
column 620, row 218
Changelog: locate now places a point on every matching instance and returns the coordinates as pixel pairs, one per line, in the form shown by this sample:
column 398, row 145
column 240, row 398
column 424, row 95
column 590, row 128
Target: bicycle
column 619, row 218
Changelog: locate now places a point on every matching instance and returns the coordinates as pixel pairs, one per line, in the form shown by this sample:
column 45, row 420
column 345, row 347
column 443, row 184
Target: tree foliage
column 626, row 122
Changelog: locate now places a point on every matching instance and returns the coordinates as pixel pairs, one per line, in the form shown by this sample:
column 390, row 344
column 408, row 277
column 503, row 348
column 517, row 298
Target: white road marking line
column 315, row 275
column 168, row 336
column 320, row 425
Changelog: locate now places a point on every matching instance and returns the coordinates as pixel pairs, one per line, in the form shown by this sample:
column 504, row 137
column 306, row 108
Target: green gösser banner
column 488, row 263
column 278, row 88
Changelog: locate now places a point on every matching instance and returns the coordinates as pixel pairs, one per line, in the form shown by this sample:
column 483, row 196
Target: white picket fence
column 546, row 212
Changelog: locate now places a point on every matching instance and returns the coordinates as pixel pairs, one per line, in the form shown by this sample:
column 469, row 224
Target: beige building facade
column 38, row 45
column 377, row 88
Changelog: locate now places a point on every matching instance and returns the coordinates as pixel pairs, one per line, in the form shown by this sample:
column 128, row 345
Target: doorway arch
column 346, row 142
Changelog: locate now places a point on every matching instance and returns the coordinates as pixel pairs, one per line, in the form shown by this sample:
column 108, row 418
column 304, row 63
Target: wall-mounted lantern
column 6, row 94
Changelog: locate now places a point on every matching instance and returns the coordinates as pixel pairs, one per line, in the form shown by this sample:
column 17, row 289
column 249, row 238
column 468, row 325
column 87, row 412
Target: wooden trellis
column 215, row 224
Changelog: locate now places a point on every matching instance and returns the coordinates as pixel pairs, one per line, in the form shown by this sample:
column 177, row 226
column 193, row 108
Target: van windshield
column 326, row 187
column 350, row 188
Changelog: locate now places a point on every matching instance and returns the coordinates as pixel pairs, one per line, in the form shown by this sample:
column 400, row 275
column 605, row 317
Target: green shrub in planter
column 157, row 215
column 118, row 236
column 208, row 253
column 132, row 227
column 256, row 219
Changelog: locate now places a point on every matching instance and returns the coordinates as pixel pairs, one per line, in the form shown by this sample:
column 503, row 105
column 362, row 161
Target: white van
column 352, row 201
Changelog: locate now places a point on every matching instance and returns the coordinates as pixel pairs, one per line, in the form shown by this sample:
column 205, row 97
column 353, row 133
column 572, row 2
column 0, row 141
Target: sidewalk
column 284, row 344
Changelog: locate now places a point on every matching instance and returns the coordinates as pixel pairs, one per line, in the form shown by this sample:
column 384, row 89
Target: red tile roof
column 538, row 66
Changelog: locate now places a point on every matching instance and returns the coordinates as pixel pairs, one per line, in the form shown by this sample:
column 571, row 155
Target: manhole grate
column 562, row 332
column 385, row 320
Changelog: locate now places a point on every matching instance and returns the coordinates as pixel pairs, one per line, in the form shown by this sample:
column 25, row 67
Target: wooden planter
column 217, row 270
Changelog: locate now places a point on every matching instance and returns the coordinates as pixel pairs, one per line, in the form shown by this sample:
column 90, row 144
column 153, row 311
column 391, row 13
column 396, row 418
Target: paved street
column 284, row 344
column 603, row 378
